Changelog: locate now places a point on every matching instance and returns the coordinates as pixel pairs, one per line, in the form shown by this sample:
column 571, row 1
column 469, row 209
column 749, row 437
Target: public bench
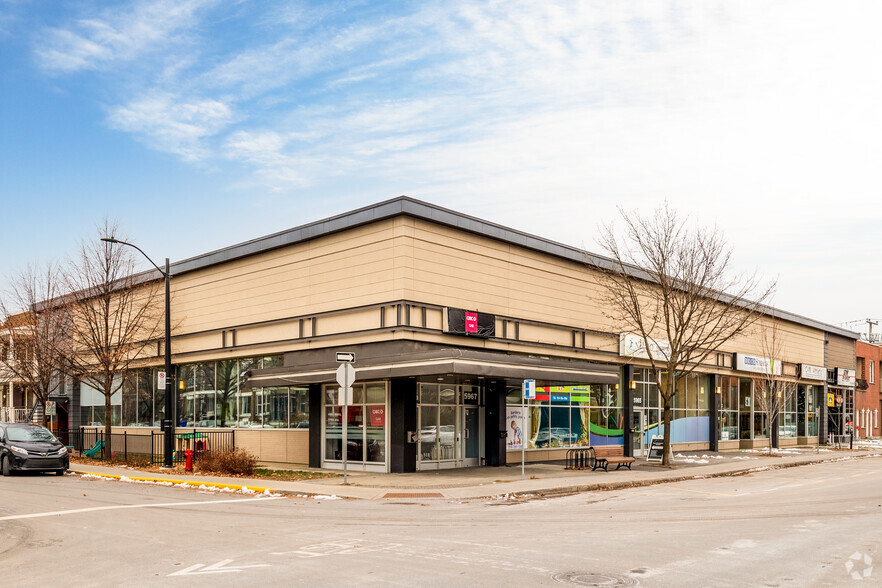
column 604, row 455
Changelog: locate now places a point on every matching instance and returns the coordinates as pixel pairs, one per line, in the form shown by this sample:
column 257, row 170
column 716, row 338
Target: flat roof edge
column 405, row 205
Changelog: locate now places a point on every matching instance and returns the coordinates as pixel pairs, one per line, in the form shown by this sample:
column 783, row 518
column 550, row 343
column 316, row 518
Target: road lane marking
column 126, row 506
column 220, row 567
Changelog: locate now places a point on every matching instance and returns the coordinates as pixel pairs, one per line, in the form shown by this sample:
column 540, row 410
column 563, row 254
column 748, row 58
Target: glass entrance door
column 471, row 440
column 637, row 432
column 449, row 425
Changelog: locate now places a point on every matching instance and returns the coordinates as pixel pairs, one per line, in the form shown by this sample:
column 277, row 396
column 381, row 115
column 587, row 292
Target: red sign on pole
column 471, row 322
column 378, row 416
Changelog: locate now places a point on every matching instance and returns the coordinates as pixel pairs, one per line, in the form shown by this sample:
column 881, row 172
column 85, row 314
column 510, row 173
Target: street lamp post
column 167, row 423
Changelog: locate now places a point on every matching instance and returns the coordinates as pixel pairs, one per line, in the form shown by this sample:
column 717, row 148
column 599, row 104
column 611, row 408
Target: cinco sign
column 471, row 322
column 378, row 416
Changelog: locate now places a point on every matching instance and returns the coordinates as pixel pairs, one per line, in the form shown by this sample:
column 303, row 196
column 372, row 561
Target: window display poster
column 515, row 425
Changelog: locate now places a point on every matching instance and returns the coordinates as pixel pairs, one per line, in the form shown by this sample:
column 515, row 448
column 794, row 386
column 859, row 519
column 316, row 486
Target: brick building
column 867, row 400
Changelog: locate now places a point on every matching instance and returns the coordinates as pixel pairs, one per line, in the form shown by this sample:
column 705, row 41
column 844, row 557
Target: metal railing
column 146, row 445
column 9, row 414
column 198, row 441
column 840, row 441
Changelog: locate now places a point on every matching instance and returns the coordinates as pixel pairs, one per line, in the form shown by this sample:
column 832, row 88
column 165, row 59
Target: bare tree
column 670, row 285
column 36, row 333
column 116, row 317
column 770, row 391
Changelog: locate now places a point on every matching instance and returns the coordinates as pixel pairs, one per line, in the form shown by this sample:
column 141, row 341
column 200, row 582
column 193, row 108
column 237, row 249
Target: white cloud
column 761, row 116
column 115, row 35
column 171, row 125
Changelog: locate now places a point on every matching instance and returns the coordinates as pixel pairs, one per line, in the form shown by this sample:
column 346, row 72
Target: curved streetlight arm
column 112, row 240
column 168, row 422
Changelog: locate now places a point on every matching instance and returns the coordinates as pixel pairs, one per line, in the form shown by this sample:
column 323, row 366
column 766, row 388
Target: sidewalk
column 473, row 483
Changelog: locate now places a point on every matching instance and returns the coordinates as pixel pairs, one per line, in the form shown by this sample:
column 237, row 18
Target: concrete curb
column 508, row 489
column 620, row 485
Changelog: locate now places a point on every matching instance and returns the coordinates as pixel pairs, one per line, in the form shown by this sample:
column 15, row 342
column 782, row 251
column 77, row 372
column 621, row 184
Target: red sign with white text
column 471, row 322
column 378, row 416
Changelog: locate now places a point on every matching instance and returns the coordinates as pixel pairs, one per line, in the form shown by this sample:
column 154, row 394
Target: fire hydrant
column 188, row 465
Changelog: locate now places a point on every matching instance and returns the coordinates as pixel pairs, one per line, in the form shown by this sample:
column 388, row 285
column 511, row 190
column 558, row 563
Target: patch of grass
column 291, row 475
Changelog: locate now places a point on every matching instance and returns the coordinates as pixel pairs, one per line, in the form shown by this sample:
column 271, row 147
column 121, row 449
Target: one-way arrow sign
column 215, row 568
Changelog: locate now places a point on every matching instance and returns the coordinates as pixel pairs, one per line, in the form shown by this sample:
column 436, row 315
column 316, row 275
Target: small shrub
column 236, row 462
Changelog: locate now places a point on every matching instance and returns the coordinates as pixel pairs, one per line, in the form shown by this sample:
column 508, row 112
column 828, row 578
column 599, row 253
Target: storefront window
column 572, row 415
column 811, row 407
column 690, row 409
column 365, row 426
column 787, row 421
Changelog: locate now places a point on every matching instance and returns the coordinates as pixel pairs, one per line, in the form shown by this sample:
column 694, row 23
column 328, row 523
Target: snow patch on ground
column 200, row 487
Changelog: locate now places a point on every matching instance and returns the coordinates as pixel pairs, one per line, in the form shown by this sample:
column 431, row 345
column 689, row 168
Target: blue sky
column 199, row 124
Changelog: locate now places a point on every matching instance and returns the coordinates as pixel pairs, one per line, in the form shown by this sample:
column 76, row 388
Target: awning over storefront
column 466, row 362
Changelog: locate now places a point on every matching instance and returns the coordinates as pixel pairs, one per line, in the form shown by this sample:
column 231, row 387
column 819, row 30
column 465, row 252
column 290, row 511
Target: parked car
column 31, row 447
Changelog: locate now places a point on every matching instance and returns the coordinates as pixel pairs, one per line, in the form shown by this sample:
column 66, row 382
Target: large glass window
column 209, row 394
column 811, row 407
column 572, row 415
column 365, row 423
column 787, row 412
column 92, row 411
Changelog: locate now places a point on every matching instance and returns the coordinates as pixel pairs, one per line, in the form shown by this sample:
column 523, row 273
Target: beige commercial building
column 446, row 315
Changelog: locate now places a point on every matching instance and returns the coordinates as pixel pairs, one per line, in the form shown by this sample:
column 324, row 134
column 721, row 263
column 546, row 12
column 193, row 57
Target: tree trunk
column 667, row 417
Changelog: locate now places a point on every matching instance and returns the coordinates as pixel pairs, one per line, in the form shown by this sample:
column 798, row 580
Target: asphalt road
column 818, row 525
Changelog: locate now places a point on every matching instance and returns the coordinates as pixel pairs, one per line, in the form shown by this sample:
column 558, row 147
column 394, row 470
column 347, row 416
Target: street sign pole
column 345, row 417
column 345, row 377
column 529, row 393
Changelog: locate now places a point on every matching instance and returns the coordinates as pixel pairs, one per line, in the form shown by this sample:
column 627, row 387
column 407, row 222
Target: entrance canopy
column 397, row 359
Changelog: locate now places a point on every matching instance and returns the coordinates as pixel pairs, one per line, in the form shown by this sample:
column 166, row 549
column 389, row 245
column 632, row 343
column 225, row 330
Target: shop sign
column 831, row 400
column 470, row 323
column 812, row 372
column 559, row 398
column 378, row 416
column 845, row 377
column 839, row 400
column 631, row 345
column 757, row 365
